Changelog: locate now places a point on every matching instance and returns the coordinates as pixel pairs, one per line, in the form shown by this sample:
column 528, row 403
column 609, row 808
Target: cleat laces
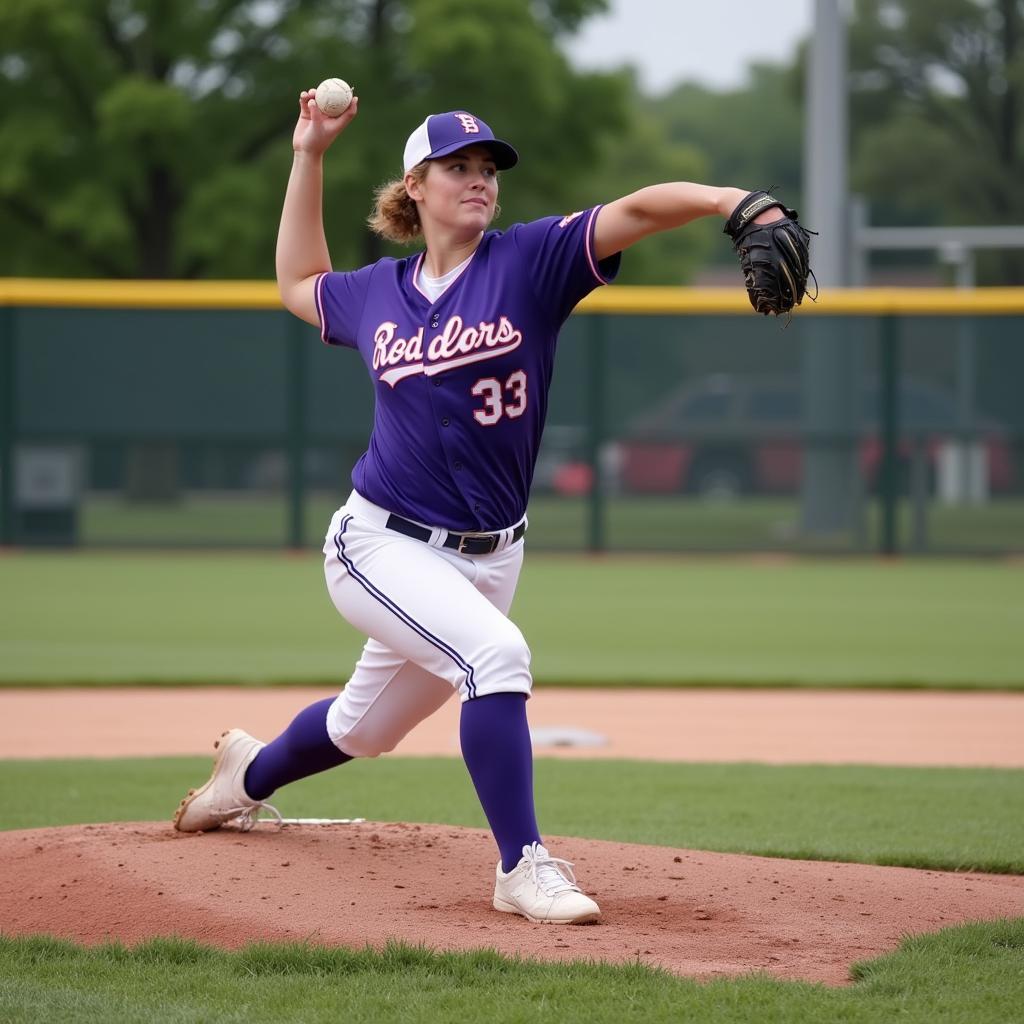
column 248, row 817
column 551, row 875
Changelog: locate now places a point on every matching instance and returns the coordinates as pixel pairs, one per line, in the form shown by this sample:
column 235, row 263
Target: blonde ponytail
column 395, row 216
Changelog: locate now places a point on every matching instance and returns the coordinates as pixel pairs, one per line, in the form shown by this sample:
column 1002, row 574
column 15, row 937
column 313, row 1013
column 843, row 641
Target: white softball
column 333, row 95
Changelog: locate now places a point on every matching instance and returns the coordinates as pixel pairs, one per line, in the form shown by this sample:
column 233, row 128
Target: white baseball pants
column 437, row 623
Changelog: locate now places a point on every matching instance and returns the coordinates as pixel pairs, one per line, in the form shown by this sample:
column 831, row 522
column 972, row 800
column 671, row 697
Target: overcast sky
column 710, row 41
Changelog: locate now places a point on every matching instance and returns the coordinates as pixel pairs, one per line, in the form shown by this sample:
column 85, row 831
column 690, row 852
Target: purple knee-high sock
column 304, row 748
column 496, row 747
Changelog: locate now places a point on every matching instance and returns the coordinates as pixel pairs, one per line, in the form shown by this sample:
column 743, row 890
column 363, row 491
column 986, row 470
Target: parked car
column 725, row 435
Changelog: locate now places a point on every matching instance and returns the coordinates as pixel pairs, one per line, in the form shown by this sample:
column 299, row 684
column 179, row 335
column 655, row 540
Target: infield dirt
column 795, row 726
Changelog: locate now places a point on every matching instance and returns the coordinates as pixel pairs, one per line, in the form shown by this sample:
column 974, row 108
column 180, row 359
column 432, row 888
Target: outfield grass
column 945, row 818
column 659, row 523
column 970, row 974
column 80, row 617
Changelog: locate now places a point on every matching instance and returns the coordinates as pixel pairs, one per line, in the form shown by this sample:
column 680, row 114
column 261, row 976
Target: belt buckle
column 492, row 537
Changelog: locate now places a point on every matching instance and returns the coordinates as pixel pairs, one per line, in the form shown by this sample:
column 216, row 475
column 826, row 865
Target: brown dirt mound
column 694, row 913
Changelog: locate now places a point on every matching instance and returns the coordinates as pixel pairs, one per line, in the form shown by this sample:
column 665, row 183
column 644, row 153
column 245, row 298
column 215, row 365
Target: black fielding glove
column 774, row 258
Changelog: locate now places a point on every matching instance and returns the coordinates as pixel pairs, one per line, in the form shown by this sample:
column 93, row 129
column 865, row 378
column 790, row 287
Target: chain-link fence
column 188, row 414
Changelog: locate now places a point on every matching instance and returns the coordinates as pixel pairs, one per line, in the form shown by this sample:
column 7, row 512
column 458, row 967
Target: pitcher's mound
column 694, row 913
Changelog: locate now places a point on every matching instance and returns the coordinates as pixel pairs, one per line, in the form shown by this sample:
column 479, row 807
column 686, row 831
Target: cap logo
column 469, row 125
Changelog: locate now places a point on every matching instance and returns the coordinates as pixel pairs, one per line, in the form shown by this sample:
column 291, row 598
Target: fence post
column 889, row 415
column 295, row 341
column 596, row 373
column 7, row 424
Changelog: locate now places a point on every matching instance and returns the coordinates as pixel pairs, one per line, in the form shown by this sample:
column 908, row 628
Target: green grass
column 972, row 974
column 944, row 818
column 670, row 523
column 190, row 617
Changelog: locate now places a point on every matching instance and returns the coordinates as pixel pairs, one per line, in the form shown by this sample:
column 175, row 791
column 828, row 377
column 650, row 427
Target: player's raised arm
column 626, row 221
column 301, row 243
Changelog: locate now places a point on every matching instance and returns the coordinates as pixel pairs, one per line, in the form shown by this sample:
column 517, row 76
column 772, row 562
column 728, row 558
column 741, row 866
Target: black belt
column 464, row 543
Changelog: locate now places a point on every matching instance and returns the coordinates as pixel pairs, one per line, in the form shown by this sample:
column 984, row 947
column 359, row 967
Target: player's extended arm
column 660, row 208
column 301, row 243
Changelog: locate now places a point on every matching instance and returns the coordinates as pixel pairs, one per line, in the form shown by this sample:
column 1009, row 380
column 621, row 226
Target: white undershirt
column 434, row 287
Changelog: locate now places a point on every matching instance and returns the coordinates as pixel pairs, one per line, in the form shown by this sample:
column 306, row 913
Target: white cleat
column 543, row 889
column 223, row 797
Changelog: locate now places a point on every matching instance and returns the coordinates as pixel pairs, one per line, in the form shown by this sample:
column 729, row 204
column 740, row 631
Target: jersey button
column 445, row 422
column 476, row 507
column 458, row 465
column 437, row 383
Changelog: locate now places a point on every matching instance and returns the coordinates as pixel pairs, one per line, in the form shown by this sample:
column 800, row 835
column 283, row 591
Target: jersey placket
column 449, row 408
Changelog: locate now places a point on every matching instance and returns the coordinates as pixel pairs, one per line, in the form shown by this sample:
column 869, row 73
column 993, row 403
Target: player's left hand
column 774, row 252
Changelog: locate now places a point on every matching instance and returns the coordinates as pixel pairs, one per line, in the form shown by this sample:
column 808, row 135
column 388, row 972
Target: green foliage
column 145, row 140
column 748, row 137
column 647, row 153
column 751, row 136
column 122, row 109
column 936, row 118
column 938, row 114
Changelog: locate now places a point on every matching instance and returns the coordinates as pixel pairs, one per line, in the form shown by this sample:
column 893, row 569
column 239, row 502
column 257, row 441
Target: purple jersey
column 461, row 384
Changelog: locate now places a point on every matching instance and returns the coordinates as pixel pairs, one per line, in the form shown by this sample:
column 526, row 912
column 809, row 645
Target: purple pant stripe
column 388, row 603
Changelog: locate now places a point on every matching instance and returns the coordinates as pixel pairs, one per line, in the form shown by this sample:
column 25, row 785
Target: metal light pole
column 831, row 496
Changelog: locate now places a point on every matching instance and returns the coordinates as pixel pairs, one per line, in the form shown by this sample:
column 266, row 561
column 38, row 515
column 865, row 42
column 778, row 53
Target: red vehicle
column 726, row 435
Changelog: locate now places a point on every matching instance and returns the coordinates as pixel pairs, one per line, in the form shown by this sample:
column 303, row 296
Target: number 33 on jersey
column 492, row 392
column 480, row 356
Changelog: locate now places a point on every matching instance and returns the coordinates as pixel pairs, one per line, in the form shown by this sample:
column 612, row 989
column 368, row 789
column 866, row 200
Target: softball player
column 425, row 554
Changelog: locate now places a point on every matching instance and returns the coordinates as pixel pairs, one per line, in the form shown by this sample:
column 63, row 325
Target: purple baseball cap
column 441, row 134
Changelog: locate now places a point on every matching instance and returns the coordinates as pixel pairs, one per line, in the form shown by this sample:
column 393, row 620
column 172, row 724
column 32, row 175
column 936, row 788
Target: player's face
column 460, row 190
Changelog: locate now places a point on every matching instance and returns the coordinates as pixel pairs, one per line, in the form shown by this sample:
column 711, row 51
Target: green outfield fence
column 200, row 413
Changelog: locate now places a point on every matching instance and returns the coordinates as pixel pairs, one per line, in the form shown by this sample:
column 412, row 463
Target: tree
column 640, row 156
column 143, row 138
column 751, row 135
column 937, row 113
column 748, row 137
